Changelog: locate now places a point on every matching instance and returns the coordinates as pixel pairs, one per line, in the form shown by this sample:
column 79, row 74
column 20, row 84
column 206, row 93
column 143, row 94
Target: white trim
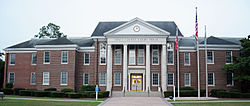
column 231, row 57
column 86, row 49
column 153, row 56
column 104, row 77
column 119, row 80
column 9, row 77
column 56, row 46
column 66, row 78
column 134, row 56
column 44, row 58
column 189, row 74
column 11, row 58
column 220, row 48
column 213, row 79
column 119, row 50
column 167, row 58
column 31, row 78
column 32, row 58
column 104, row 55
column 232, row 80
column 153, row 79
column 188, row 59
column 230, row 46
column 84, row 62
column 143, row 50
column 187, row 50
column 20, row 51
column 43, row 78
column 212, row 57
column 62, row 57
column 84, row 79
column 173, row 78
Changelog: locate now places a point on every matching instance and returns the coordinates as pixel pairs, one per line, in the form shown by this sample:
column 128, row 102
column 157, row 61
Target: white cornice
column 56, row 46
column 86, row 49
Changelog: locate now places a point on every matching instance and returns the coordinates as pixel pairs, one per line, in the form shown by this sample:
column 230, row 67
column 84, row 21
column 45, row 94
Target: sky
column 20, row 20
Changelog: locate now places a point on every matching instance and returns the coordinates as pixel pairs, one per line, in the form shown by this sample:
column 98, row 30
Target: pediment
column 136, row 27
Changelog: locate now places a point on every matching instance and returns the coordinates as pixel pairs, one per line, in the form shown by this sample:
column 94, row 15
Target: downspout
column 6, row 69
column 97, row 62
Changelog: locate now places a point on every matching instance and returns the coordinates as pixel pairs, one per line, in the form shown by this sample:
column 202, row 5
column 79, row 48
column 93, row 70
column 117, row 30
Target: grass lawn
column 211, row 99
column 212, row 104
column 13, row 102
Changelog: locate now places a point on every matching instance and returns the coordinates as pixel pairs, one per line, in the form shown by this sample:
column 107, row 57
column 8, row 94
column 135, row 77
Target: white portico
column 137, row 32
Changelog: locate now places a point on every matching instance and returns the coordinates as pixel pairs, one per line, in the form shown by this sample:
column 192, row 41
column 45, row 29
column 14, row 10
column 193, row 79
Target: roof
column 103, row 27
column 219, row 41
column 80, row 41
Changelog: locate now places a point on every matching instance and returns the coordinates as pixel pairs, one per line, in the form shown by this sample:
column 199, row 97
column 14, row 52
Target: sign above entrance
column 137, row 40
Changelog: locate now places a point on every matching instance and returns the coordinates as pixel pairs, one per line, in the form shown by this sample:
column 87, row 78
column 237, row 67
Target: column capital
column 147, row 44
column 125, row 44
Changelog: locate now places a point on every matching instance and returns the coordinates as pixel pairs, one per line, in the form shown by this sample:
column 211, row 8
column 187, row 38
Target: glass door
column 136, row 84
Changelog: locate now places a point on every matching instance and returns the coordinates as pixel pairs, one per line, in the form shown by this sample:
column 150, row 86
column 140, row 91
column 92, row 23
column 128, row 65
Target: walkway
column 135, row 101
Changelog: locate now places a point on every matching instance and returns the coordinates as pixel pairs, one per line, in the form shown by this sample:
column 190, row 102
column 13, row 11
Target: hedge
column 225, row 94
column 9, row 85
column 16, row 90
column 57, row 94
column 185, row 93
column 87, row 88
column 42, row 93
column 8, row 91
column 50, row 89
column 67, row 90
column 213, row 92
column 74, row 95
column 25, row 93
column 185, row 88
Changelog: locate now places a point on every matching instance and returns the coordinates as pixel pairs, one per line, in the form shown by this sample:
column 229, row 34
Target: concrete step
column 136, row 94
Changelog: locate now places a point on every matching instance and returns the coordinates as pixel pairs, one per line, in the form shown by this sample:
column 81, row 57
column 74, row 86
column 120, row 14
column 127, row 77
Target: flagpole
column 205, row 42
column 198, row 62
column 178, row 68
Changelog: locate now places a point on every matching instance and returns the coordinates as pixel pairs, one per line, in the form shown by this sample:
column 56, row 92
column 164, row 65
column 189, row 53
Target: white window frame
column 188, row 59
column 213, row 80
column 13, row 77
column 44, row 78
column 153, row 79
column 119, row 51
column 143, row 52
column 173, row 79
column 62, row 79
column 231, row 57
column 11, row 59
column 84, row 63
column 134, row 56
column 212, row 57
column 153, row 50
column 62, row 57
column 115, row 79
column 105, row 53
column 105, row 79
column 32, row 56
column 31, row 80
column 189, row 75
column 44, row 58
column 232, row 80
column 84, row 78
column 171, row 49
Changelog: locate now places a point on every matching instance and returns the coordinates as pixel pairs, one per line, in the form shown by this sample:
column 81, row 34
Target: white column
column 147, row 67
column 164, row 68
column 109, row 68
column 125, row 66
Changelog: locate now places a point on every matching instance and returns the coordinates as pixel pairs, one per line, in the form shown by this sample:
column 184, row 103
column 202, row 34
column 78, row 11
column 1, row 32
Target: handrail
column 161, row 91
column 111, row 92
column 124, row 91
column 148, row 91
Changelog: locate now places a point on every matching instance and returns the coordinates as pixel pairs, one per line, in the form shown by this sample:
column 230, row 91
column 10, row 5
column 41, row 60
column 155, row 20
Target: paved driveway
column 135, row 101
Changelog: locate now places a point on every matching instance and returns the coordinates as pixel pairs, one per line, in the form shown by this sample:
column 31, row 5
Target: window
column 85, row 79
column 11, row 77
column 140, row 55
column 170, row 49
column 210, row 79
column 103, row 53
column 64, row 78
column 210, row 57
column 64, row 57
column 46, row 58
column 229, row 58
column 86, row 58
column 102, row 79
column 117, row 79
column 12, row 59
column 118, row 55
column 33, row 61
column 155, row 55
column 170, row 79
column 32, row 78
column 186, row 58
column 45, row 78
column 187, row 79
column 230, row 81
column 155, row 77
column 131, row 55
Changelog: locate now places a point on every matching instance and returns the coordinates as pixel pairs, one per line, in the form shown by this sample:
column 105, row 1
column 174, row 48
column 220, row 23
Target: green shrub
column 168, row 93
column 57, row 94
column 8, row 91
column 223, row 94
column 184, row 93
column 9, row 85
column 87, row 88
column 245, row 95
column 213, row 92
column 74, row 95
column 67, row 90
column 16, row 90
column 42, row 93
column 88, row 94
column 50, row 89
column 184, row 88
column 234, row 90
column 235, row 94
column 31, row 89
column 103, row 94
column 25, row 93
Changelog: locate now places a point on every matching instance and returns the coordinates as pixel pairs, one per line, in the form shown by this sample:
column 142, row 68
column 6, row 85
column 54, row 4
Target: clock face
column 136, row 28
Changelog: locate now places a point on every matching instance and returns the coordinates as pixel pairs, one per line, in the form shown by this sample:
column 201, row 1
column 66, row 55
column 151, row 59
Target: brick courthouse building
column 135, row 55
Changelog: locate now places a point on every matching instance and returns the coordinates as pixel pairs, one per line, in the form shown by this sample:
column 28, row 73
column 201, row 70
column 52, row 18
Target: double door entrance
column 136, row 84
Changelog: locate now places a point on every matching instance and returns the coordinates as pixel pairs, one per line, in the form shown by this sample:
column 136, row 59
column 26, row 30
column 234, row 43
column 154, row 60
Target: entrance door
column 136, row 84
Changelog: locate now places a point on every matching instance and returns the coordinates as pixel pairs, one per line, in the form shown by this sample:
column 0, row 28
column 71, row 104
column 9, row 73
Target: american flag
column 196, row 26
column 176, row 42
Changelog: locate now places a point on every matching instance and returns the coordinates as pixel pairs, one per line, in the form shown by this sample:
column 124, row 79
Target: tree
column 1, row 73
column 51, row 31
column 241, row 66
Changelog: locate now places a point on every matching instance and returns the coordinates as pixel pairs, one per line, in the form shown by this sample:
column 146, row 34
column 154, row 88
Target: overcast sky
column 20, row 20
